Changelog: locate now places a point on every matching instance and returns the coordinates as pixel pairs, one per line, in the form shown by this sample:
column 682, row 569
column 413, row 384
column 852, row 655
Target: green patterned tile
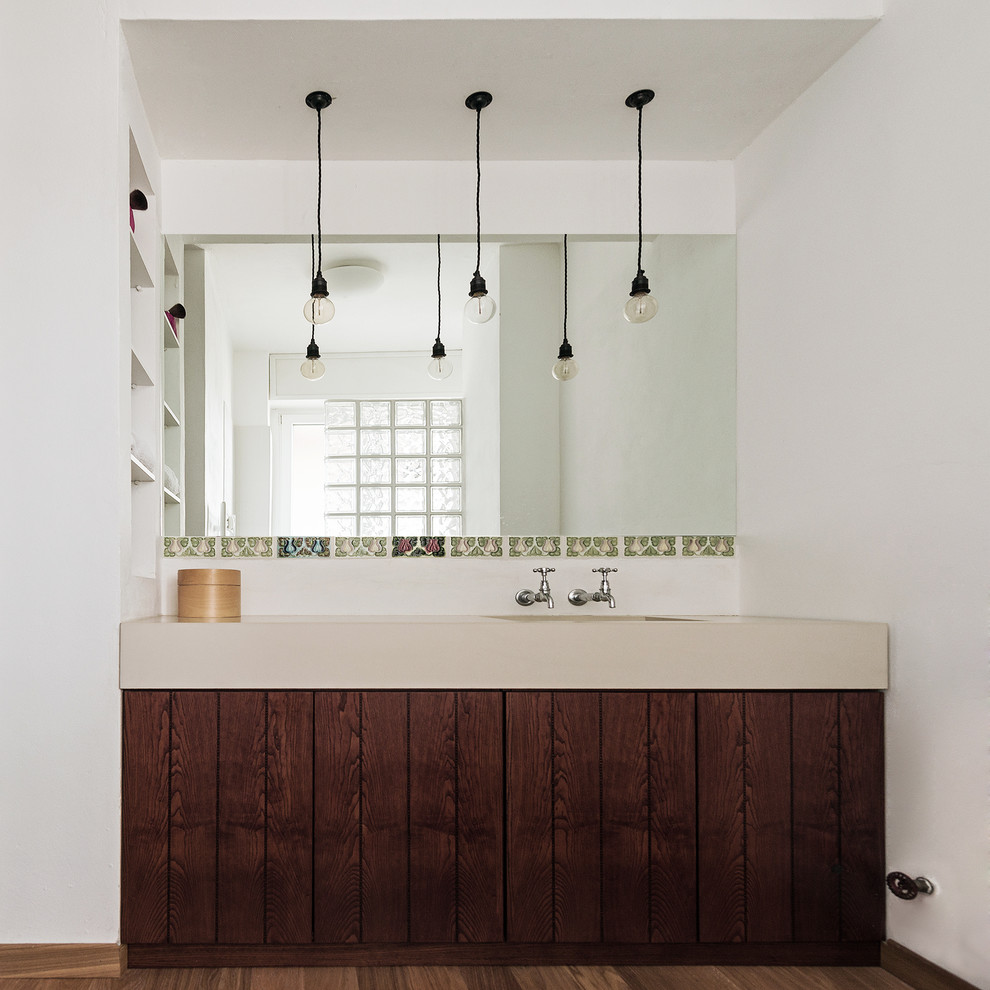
column 245, row 546
column 360, row 546
column 708, row 546
column 650, row 546
column 534, row 546
column 418, row 546
column 304, row 546
column 592, row 546
column 476, row 546
column 189, row 546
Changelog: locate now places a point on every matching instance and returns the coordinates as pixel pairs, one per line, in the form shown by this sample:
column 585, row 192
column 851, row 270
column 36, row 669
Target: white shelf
column 171, row 268
column 140, row 275
column 140, row 473
column 171, row 336
column 170, row 497
column 170, row 418
column 139, row 376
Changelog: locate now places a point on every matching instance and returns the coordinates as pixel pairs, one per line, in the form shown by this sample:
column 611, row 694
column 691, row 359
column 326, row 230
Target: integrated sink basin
column 526, row 650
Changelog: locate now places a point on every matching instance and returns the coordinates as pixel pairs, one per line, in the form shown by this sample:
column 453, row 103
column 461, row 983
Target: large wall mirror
column 641, row 441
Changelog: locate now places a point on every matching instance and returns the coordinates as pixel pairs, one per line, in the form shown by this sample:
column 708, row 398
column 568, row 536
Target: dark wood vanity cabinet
column 482, row 826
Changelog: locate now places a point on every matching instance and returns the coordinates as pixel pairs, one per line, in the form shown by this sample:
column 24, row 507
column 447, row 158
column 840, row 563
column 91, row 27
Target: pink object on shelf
column 131, row 211
column 171, row 323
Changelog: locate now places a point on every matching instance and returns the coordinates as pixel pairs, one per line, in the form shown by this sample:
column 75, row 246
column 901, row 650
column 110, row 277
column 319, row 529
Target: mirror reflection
column 641, row 441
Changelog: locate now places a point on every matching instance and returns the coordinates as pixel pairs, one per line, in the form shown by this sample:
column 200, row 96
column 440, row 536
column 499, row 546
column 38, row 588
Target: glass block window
column 393, row 467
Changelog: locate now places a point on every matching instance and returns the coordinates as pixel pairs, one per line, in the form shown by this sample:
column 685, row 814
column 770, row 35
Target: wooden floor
column 488, row 978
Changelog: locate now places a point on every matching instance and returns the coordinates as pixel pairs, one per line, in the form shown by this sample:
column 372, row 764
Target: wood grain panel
column 721, row 817
column 432, row 817
column 337, row 808
column 385, row 865
column 479, row 813
column 529, row 817
column 242, row 817
column 768, row 816
column 144, row 916
column 577, row 817
column 626, row 818
column 861, row 814
column 673, row 890
column 193, row 863
column 815, row 833
column 289, row 886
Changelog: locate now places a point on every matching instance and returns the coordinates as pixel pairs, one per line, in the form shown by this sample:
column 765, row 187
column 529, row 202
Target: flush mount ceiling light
column 565, row 368
column 480, row 307
column 440, row 366
column 312, row 368
column 641, row 305
column 318, row 308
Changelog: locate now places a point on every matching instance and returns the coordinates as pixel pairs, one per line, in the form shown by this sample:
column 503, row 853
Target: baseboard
column 63, row 961
column 508, row 954
column 917, row 971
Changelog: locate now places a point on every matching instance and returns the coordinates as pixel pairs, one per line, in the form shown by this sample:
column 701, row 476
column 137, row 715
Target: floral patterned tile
column 418, row 546
column 650, row 546
column 189, row 546
column 245, row 546
column 360, row 546
column 708, row 546
column 592, row 546
column 304, row 546
column 476, row 546
column 534, row 546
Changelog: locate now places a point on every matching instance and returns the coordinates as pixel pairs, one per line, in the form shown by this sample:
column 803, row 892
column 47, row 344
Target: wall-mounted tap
column 604, row 594
column 527, row 597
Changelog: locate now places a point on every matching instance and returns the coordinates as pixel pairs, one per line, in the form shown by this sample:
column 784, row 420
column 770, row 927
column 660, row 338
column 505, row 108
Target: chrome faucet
column 527, row 597
column 604, row 594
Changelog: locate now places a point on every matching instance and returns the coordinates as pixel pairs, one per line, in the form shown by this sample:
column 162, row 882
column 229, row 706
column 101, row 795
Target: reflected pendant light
column 480, row 307
column 318, row 308
column 565, row 368
column 313, row 368
column 440, row 366
column 641, row 306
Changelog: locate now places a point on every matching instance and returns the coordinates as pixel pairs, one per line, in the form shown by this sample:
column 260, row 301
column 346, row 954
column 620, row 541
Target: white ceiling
column 236, row 89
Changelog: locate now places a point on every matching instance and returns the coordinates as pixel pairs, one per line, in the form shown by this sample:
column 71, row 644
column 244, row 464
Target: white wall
column 864, row 419
column 63, row 205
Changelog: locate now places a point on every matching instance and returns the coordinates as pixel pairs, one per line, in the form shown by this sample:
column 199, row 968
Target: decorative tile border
column 708, row 546
column 592, row 546
column 534, row 546
column 245, row 546
column 304, row 546
column 476, row 546
column 650, row 546
column 418, row 546
column 436, row 546
column 360, row 546
column 189, row 546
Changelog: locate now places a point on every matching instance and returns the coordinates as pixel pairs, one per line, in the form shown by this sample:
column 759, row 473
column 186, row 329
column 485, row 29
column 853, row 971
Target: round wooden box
column 209, row 593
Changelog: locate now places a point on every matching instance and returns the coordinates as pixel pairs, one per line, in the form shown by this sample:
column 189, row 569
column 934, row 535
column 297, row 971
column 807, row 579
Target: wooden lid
column 209, row 575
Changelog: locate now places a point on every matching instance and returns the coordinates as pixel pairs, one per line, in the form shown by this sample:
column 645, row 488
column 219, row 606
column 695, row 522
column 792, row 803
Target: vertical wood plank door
column 444, row 817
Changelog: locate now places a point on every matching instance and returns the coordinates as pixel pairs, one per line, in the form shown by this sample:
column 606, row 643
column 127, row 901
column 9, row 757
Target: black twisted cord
column 438, row 288
column 312, row 256
column 319, row 185
column 477, row 195
column 565, row 288
column 639, row 190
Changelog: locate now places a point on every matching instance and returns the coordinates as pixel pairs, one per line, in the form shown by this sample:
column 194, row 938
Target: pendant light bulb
column 480, row 307
column 640, row 306
column 318, row 309
column 440, row 368
column 565, row 369
column 312, row 369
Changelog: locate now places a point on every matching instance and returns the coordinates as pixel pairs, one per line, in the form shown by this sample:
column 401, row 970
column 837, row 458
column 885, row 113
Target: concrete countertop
column 524, row 650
